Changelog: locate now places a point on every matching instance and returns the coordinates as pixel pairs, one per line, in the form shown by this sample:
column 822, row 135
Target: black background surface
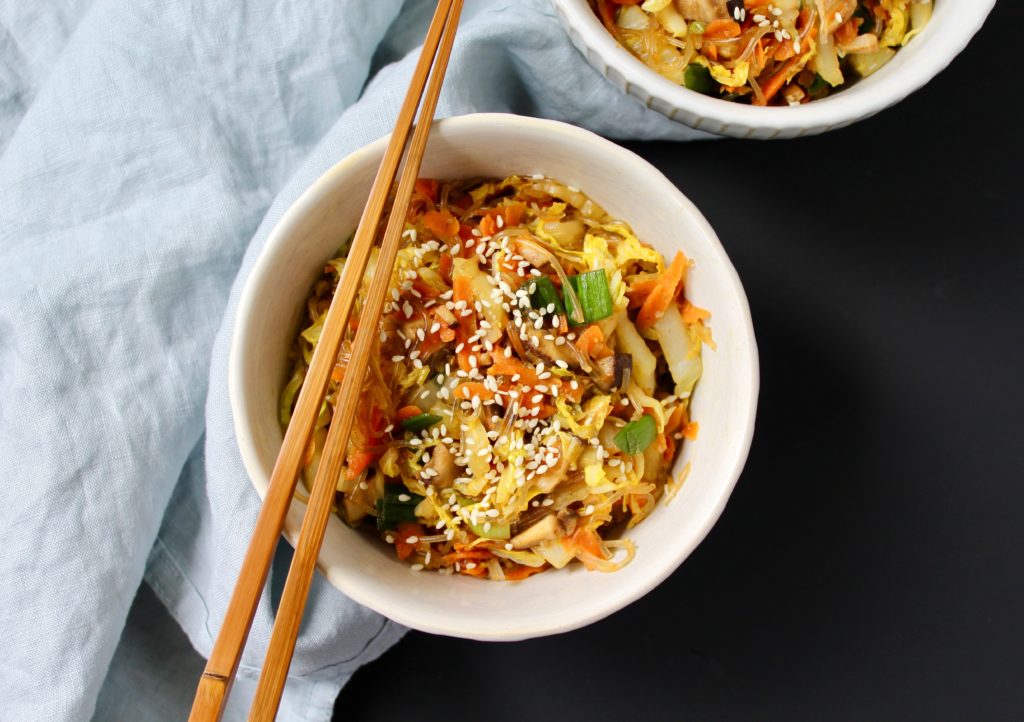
column 869, row 564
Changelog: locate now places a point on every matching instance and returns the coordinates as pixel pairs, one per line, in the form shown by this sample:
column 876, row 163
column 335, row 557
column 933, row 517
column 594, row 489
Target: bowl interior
column 952, row 26
column 724, row 403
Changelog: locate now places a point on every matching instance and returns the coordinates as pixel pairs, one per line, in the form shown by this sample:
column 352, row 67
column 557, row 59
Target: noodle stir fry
column 782, row 52
column 537, row 362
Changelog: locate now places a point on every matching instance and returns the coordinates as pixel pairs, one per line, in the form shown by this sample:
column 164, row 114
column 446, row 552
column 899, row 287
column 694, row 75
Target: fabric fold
column 148, row 154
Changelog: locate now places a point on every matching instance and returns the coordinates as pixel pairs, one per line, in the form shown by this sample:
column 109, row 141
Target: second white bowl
column 953, row 24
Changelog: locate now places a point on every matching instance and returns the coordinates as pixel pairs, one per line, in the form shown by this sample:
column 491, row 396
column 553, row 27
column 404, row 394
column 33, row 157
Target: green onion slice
column 698, row 78
column 418, row 423
column 594, row 294
column 636, row 436
column 543, row 295
column 397, row 506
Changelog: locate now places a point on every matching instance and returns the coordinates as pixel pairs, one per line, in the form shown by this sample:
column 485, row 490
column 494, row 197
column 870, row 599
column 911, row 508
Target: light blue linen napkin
column 147, row 147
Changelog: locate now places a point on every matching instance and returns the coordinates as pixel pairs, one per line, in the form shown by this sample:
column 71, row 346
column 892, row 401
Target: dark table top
column 870, row 564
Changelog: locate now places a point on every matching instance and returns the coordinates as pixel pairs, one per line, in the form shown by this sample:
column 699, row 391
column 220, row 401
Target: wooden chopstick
column 214, row 685
column 296, row 589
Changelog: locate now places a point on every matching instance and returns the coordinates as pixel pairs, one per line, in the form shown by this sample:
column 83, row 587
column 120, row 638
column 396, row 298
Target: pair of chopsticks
column 213, row 687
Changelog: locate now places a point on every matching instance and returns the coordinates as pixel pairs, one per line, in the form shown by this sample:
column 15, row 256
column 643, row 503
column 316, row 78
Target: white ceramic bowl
column 724, row 403
column 953, row 24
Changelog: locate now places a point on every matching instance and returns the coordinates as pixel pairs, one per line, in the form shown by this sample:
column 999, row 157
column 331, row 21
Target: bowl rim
column 854, row 103
column 347, row 580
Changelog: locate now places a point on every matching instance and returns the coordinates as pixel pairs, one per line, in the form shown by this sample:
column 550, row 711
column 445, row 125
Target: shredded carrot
column 566, row 390
column 404, row 531
column 669, row 283
column 488, row 226
column 692, row 314
column 691, row 430
column 462, row 290
column 358, row 461
column 527, row 406
column 585, row 539
column 638, row 291
column 427, row 187
column 504, row 366
column 460, row 555
column 590, row 339
column 606, row 10
column 407, row 412
column 446, row 266
column 477, row 571
column 442, row 223
column 722, row 30
column 511, row 214
column 669, row 449
column 847, row 32
column 469, row 389
column 785, row 51
column 774, row 84
column 711, row 51
column 519, row 572
column 679, row 418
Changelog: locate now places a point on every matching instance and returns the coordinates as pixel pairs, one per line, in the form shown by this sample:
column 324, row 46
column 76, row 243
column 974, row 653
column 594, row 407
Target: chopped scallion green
column 594, row 294
column 636, row 436
column 397, row 506
column 420, row 422
column 698, row 78
column 543, row 294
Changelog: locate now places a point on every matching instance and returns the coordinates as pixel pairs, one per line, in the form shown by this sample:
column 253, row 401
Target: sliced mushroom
column 703, row 10
column 550, row 527
column 546, row 348
column 442, row 461
column 613, row 372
